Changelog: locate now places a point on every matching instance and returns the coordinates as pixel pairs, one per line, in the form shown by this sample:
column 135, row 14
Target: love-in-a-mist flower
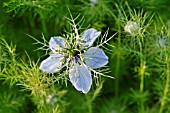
column 75, row 52
column 131, row 27
column 93, row 3
column 51, row 99
column 162, row 41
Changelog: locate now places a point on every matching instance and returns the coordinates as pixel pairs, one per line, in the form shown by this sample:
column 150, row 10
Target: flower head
column 162, row 41
column 93, row 3
column 51, row 99
column 131, row 27
column 78, row 55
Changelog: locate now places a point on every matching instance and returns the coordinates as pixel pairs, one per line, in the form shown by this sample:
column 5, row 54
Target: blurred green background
column 20, row 18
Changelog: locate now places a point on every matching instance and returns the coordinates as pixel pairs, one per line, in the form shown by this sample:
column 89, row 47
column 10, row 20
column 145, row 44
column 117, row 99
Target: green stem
column 43, row 23
column 141, row 90
column 141, row 82
column 116, row 87
column 89, row 104
column 141, row 73
column 118, row 63
column 166, row 85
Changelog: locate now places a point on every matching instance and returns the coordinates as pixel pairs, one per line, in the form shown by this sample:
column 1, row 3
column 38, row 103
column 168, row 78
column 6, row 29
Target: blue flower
column 162, row 41
column 93, row 3
column 51, row 99
column 77, row 54
column 131, row 27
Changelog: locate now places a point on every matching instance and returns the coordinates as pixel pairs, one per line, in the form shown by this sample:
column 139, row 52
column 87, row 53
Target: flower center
column 74, row 52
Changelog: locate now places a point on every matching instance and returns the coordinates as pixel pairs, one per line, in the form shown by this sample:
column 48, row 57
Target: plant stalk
column 163, row 102
column 141, row 73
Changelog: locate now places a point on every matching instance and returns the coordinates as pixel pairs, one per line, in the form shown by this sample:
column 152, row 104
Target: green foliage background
column 141, row 69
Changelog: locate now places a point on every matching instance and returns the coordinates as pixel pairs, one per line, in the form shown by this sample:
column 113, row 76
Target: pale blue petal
column 56, row 43
column 95, row 57
column 89, row 37
column 53, row 63
column 80, row 77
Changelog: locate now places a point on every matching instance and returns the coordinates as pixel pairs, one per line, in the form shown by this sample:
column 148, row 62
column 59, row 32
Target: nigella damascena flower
column 78, row 55
column 93, row 3
column 51, row 99
column 131, row 27
column 162, row 41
